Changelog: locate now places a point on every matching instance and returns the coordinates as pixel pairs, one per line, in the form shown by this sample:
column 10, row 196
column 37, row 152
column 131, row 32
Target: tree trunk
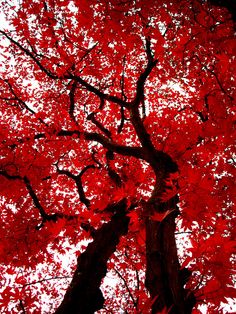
column 164, row 279
column 84, row 295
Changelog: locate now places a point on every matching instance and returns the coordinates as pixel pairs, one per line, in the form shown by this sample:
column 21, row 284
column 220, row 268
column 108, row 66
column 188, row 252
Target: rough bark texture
column 84, row 295
column 164, row 279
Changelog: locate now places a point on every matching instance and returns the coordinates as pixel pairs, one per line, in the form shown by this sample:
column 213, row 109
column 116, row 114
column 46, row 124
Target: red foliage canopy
column 117, row 121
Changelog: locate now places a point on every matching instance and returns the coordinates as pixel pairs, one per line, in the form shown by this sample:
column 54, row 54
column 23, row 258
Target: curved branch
column 107, row 143
column 98, row 124
column 96, row 91
column 124, row 150
column 127, row 287
column 31, row 55
column 72, row 100
column 20, row 101
column 136, row 120
column 35, row 199
column 10, row 177
column 116, row 148
column 45, row 217
column 78, row 181
column 144, row 75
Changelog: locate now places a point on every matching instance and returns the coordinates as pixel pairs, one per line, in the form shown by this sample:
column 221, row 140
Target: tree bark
column 84, row 295
column 164, row 279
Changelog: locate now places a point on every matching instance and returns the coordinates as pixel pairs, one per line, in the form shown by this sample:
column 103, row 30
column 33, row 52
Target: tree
column 117, row 132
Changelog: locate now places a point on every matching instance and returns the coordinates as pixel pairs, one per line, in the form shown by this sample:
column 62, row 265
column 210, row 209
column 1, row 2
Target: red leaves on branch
column 105, row 101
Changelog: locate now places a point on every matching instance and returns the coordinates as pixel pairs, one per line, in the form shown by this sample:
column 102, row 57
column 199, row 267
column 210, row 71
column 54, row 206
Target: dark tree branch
column 45, row 217
column 98, row 124
column 144, row 75
column 149, row 50
column 17, row 98
column 111, row 172
column 107, row 143
column 99, row 138
column 138, row 281
column 157, row 159
column 45, row 279
column 88, row 228
column 136, row 120
column 21, row 305
column 124, row 97
column 87, row 52
column 122, row 81
column 35, row 199
column 203, row 117
column 102, row 103
column 78, row 181
column 31, row 55
column 10, row 177
column 127, row 287
column 20, row 101
column 80, row 188
column 72, row 100
column 142, row 134
column 122, row 121
column 96, row 91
